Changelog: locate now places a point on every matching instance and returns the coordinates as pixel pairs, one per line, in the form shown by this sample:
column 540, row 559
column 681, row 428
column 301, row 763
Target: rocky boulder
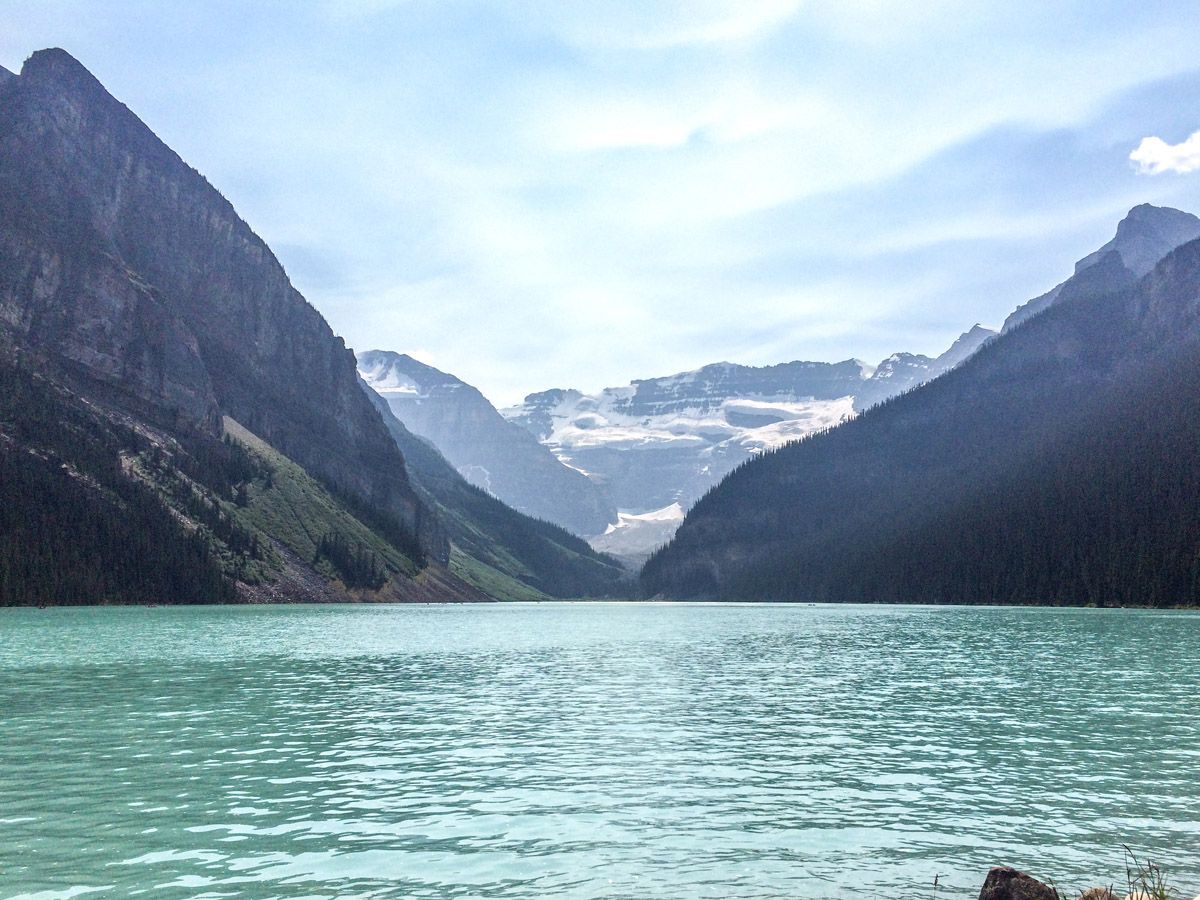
column 1005, row 883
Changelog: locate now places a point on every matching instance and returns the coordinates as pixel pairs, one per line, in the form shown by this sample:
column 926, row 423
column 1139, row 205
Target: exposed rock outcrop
column 1006, row 883
column 1144, row 236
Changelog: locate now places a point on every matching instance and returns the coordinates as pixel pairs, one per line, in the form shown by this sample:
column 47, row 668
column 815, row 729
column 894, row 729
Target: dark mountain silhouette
column 1143, row 237
column 1059, row 464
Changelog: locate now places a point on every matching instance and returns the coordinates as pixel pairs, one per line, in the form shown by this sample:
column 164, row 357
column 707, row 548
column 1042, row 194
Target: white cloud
column 1155, row 156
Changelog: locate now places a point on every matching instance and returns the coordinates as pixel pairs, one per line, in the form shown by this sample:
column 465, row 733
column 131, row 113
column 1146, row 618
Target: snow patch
column 385, row 379
column 638, row 534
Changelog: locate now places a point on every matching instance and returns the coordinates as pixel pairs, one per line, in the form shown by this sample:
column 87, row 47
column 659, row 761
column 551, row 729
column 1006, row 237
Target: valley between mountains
column 151, row 450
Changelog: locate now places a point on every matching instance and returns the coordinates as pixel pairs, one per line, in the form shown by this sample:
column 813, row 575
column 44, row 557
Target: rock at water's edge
column 1006, row 883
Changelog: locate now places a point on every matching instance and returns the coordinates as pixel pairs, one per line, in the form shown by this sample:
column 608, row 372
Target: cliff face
column 491, row 452
column 122, row 266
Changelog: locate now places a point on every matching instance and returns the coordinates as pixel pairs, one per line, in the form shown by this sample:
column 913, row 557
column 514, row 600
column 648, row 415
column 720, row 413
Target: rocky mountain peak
column 488, row 450
column 381, row 367
column 57, row 65
column 5, row 74
column 146, row 280
column 966, row 345
column 1146, row 235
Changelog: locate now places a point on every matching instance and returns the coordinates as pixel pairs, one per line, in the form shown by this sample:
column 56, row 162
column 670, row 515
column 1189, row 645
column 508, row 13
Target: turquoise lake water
column 591, row 750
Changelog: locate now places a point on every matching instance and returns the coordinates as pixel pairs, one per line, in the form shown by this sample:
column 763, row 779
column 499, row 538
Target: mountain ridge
column 129, row 266
column 1024, row 475
column 1144, row 236
column 659, row 443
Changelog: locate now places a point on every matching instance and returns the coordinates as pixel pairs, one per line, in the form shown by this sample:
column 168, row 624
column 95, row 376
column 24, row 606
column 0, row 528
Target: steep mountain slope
column 489, row 451
column 100, row 506
column 1143, row 237
column 659, row 444
column 1057, row 465
column 73, row 526
column 497, row 549
column 120, row 259
column 134, row 300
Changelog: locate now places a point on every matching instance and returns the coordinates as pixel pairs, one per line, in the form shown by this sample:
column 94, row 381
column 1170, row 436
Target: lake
column 592, row 750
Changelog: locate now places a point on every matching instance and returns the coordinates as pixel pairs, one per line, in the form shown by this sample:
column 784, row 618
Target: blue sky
column 541, row 193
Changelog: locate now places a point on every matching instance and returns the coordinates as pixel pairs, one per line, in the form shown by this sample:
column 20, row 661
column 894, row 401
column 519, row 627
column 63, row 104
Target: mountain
column 149, row 449
column 903, row 371
column 659, row 444
column 495, row 548
column 489, row 451
column 1144, row 236
column 666, row 440
column 1056, row 465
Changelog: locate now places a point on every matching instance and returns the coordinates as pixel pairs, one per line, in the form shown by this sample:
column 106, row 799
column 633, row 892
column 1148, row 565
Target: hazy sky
column 549, row 193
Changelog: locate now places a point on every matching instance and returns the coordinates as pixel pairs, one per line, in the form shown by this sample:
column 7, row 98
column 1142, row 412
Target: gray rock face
column 122, row 264
column 1004, row 883
column 488, row 450
column 5, row 74
column 1144, row 236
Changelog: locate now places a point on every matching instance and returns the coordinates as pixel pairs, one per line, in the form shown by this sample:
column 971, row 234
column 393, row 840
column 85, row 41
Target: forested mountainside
column 1060, row 464
column 102, row 506
column 150, row 449
column 487, row 450
column 499, row 550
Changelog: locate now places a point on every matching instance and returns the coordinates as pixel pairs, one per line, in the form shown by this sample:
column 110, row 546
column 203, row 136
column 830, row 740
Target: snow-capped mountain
column 489, row 451
column 658, row 444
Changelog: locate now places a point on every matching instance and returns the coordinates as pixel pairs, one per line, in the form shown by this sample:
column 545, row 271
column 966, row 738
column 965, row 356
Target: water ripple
column 598, row 750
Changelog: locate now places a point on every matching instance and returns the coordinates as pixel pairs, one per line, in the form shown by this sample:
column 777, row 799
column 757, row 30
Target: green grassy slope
column 285, row 502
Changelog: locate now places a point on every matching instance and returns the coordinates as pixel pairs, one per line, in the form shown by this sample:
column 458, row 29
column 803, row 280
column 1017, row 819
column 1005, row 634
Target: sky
column 543, row 193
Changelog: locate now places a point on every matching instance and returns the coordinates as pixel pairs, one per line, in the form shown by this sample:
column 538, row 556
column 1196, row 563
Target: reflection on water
column 598, row 750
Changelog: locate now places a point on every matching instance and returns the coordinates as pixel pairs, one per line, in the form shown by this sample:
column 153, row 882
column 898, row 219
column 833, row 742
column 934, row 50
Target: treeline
column 356, row 565
column 73, row 527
